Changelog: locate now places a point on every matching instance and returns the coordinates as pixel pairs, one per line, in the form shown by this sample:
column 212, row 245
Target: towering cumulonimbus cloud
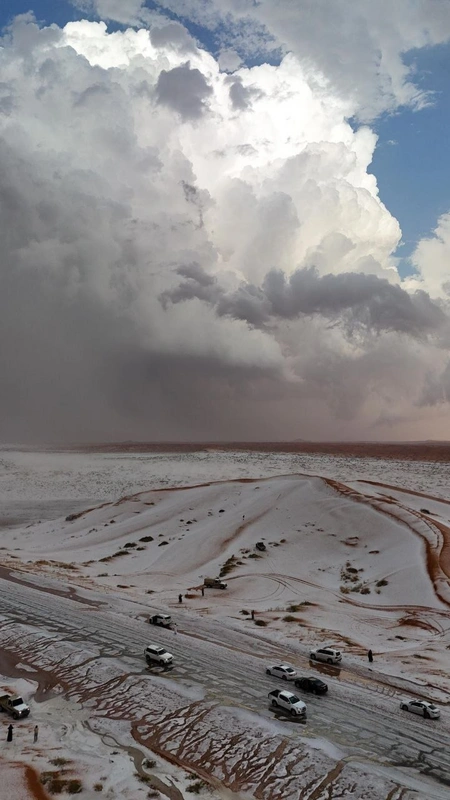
column 192, row 254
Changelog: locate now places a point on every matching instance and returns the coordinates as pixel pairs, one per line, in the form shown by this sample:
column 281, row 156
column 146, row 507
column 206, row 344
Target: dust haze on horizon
column 193, row 248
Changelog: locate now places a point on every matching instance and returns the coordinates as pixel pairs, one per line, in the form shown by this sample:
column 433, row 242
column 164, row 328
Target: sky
column 224, row 220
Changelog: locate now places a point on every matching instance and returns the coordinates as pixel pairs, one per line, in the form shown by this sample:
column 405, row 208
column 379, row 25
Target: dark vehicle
column 214, row 583
column 314, row 685
column 161, row 619
column 260, row 546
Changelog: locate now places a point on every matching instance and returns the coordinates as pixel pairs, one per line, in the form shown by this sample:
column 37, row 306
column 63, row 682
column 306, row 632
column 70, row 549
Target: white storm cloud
column 179, row 261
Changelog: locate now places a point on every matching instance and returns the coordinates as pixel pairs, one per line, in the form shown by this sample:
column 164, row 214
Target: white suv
column 282, row 671
column 326, row 654
column 156, row 654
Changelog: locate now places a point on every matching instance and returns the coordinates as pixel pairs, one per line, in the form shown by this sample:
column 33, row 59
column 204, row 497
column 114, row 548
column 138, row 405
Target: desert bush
column 57, row 785
column 261, row 623
column 229, row 565
column 383, row 582
column 294, row 607
column 48, row 776
column 196, row 787
column 74, row 786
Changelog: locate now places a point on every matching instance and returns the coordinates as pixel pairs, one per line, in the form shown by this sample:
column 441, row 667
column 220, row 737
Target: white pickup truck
column 155, row 654
column 288, row 702
column 14, row 705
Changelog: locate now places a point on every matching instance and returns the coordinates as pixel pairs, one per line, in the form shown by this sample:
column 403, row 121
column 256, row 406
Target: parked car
column 155, row 654
column 421, row 707
column 260, row 546
column 161, row 619
column 14, row 705
column 287, row 701
column 326, row 654
column 314, row 685
column 282, row 671
column 214, row 583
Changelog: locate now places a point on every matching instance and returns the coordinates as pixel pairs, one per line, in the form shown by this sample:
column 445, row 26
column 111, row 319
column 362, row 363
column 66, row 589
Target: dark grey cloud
column 355, row 300
column 172, row 35
column 241, row 96
column 185, row 90
column 198, row 285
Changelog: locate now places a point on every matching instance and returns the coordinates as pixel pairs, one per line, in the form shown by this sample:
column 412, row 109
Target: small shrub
column 261, row 623
column 290, row 618
column 153, row 793
column 294, row 607
column 254, row 555
column 365, row 590
column 356, row 587
column 74, row 786
column 98, row 787
column 146, row 539
column 143, row 778
column 352, row 569
column 60, row 762
column 102, row 575
column 57, row 785
column 161, row 544
column 48, row 776
column 130, row 544
column 149, row 763
column 140, row 548
column 121, row 553
column 229, row 565
column 383, row 582
column 196, row 787
column 282, row 541
column 344, row 589
column 245, row 612
column 425, row 511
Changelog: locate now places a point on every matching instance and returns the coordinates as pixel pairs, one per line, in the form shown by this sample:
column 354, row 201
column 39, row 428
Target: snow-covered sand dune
column 355, row 565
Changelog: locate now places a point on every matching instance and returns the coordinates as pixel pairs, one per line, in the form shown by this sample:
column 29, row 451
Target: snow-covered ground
column 350, row 562
column 41, row 485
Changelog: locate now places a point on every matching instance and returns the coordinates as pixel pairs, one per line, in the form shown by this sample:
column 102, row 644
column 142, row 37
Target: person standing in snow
column 10, row 733
column 370, row 656
column 36, row 733
column 203, row 591
column 180, row 598
column 174, row 627
column 253, row 615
